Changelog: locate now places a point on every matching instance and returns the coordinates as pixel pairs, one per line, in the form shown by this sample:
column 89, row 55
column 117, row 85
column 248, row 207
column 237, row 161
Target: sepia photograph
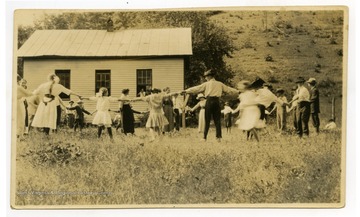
column 189, row 108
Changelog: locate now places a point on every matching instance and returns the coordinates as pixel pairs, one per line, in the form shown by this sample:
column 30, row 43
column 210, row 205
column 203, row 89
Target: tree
column 211, row 44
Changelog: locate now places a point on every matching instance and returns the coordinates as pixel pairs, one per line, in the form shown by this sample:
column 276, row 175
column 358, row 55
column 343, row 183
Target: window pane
column 64, row 75
column 102, row 79
column 144, row 79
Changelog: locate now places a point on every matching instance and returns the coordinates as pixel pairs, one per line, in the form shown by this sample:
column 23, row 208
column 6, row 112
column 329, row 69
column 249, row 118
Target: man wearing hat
column 303, row 108
column 281, row 109
column 212, row 90
column 265, row 97
column 314, row 103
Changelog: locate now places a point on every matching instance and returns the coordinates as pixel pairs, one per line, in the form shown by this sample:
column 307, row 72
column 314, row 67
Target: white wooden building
column 86, row 60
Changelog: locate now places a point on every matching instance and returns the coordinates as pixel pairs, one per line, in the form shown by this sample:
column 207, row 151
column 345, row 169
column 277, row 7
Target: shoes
column 202, row 140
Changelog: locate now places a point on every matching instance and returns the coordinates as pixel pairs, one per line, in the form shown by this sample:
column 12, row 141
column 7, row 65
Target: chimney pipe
column 110, row 25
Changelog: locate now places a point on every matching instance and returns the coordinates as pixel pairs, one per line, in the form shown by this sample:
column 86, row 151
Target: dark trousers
column 79, row 122
column 316, row 121
column 177, row 119
column 58, row 117
column 212, row 109
column 294, row 118
column 302, row 118
column 262, row 111
column 26, row 114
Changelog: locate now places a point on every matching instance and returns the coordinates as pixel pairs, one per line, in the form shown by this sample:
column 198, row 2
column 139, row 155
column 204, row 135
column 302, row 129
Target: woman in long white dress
column 249, row 119
column 46, row 113
column 22, row 93
column 201, row 105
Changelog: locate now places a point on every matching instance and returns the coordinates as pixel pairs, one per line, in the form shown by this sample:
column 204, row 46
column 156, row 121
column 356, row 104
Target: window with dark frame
column 103, row 79
column 64, row 75
column 143, row 80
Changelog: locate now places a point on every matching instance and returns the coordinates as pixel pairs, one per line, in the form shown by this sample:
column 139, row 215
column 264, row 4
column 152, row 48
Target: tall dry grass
column 74, row 169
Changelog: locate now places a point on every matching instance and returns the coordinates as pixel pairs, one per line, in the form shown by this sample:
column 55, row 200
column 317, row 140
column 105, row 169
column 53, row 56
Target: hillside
column 301, row 43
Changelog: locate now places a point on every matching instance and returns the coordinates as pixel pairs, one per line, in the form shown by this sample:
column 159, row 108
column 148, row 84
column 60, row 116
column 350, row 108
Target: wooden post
column 184, row 113
column 333, row 109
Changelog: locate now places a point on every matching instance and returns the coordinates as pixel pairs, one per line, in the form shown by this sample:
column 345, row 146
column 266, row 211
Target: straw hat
column 208, row 73
column 258, row 83
column 311, row 81
column 243, row 85
column 199, row 96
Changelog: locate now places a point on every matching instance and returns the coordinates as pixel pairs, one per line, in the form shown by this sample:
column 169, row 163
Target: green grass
column 177, row 169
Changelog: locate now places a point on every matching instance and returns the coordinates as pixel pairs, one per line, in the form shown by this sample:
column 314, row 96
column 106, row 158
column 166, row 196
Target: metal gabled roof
column 100, row 43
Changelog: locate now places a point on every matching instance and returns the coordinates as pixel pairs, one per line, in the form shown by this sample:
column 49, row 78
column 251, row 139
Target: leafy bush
column 326, row 83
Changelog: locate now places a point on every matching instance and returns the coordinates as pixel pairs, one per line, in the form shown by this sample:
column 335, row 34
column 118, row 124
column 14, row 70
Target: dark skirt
column 169, row 114
column 128, row 119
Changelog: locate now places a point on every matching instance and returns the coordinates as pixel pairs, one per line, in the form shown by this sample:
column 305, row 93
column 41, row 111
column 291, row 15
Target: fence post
column 333, row 109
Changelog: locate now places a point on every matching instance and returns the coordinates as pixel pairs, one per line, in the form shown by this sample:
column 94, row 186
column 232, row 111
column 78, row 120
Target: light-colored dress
column 103, row 116
column 201, row 122
column 21, row 110
column 249, row 112
column 156, row 115
column 46, row 113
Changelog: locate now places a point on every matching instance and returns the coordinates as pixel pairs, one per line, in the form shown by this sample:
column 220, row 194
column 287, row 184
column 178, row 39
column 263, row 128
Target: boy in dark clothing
column 79, row 116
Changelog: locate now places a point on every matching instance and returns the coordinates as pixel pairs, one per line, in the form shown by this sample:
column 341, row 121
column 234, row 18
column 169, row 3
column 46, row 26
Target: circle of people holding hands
column 42, row 108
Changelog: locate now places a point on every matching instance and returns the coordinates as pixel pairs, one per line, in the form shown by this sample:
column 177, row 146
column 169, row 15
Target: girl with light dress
column 102, row 118
column 157, row 119
column 249, row 119
column 201, row 105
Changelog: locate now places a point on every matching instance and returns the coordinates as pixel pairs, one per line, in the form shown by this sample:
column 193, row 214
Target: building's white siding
column 166, row 73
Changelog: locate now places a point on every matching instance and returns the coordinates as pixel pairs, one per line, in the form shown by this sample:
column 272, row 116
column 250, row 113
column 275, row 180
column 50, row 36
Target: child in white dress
column 249, row 111
column 102, row 118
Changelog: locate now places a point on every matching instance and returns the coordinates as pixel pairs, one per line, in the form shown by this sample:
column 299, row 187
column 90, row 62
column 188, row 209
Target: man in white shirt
column 303, row 108
column 212, row 90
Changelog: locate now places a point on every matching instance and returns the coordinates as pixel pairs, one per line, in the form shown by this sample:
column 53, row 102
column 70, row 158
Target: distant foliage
column 327, row 83
column 211, row 43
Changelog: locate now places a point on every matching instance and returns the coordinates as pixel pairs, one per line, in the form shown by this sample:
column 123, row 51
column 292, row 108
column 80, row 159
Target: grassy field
column 74, row 169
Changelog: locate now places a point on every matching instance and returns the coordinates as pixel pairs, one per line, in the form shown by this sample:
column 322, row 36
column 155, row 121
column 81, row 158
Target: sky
column 27, row 17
